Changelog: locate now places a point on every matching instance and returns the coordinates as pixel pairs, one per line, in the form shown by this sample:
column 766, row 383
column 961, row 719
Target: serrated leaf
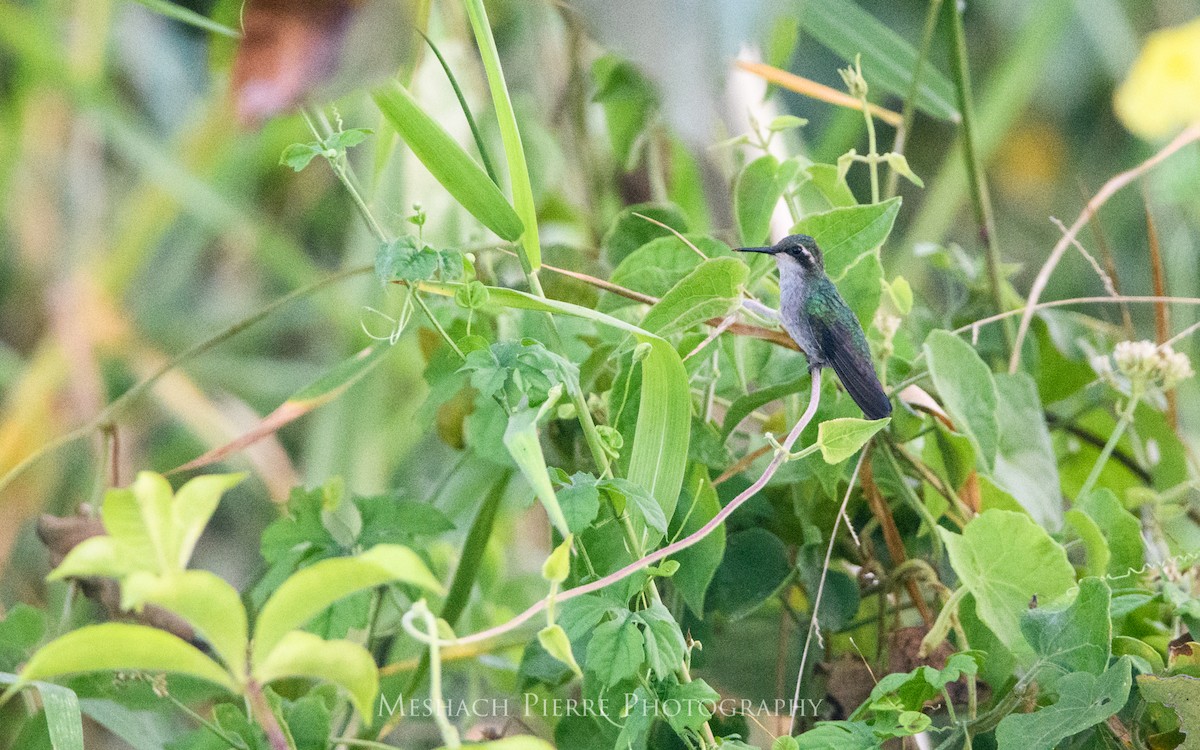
column 1121, row 529
column 345, row 664
column 448, row 162
column 309, row 591
column 665, row 647
column 408, row 259
column 616, row 651
column 660, row 445
column 841, row 438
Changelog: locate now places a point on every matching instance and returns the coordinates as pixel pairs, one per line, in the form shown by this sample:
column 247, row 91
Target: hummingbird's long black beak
column 767, row 250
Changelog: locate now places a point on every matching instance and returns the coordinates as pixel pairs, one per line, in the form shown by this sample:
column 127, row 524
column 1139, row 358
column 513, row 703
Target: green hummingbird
column 818, row 319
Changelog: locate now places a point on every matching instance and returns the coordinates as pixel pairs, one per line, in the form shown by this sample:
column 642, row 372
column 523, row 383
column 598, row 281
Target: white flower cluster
column 1143, row 365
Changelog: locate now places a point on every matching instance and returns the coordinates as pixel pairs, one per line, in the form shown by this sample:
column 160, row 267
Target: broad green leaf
column 554, row 639
column 116, row 646
column 888, row 61
column 149, row 528
column 516, row 742
column 839, row 735
column 629, row 230
column 629, row 100
column 1025, row 466
column 408, row 259
column 712, row 290
column 755, row 195
column 967, row 391
column 1145, row 657
column 660, row 264
column 190, row 17
column 510, row 135
column 1093, row 541
column 833, row 186
column 861, row 285
column 755, row 565
column 310, row 590
column 665, row 647
column 1005, row 559
column 846, row 233
column 63, row 720
column 580, row 501
column 448, row 162
column 630, row 497
column 1121, row 529
column 688, row 705
column 1180, row 692
column 521, row 440
column 345, row 664
column 1071, row 638
column 841, row 438
column 913, row 689
column 1084, row 700
column 616, row 651
column 698, row 563
column 205, row 601
column 745, row 405
column 685, row 185
column 659, row 454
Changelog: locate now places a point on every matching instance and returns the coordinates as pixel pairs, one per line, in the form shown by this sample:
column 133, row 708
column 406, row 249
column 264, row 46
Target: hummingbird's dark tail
column 858, row 376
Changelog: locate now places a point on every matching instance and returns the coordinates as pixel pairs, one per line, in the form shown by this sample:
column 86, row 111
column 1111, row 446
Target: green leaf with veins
column 1084, row 700
column 616, row 651
column 1004, row 559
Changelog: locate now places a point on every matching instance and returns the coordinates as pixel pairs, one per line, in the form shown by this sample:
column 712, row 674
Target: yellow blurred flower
column 1161, row 95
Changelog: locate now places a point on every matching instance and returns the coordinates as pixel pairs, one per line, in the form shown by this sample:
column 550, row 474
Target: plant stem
column 265, row 716
column 670, row 549
column 1124, row 421
column 110, row 413
column 816, row 606
column 431, row 638
column 910, row 100
column 980, row 200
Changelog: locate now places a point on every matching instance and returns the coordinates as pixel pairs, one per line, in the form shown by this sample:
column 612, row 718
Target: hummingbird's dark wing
column 844, row 348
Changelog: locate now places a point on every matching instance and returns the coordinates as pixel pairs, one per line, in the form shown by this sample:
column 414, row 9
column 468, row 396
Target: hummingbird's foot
column 780, row 451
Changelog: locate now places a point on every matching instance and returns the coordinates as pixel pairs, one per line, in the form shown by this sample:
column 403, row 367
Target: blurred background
column 143, row 209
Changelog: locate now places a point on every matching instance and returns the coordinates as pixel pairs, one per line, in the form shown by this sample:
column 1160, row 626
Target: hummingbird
column 818, row 319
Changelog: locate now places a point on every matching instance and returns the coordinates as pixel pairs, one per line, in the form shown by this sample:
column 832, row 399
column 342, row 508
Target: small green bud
column 558, row 564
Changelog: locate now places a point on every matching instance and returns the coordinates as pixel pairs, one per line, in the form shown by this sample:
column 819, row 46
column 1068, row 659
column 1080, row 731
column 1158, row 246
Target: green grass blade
column 466, row 109
column 448, row 162
column 190, row 17
column 518, row 170
column 888, row 60
column 63, row 720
